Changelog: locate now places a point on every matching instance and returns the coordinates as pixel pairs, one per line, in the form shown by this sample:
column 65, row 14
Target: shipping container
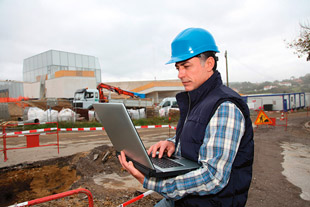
column 307, row 99
column 276, row 102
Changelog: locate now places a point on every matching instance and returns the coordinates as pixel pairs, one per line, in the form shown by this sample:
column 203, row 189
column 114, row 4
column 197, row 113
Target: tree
column 302, row 43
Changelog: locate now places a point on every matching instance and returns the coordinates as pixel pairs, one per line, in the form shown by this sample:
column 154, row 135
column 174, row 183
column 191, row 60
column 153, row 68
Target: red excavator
column 85, row 98
column 116, row 90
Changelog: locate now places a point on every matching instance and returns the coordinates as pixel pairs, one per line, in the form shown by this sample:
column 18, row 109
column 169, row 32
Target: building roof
column 147, row 87
column 154, row 84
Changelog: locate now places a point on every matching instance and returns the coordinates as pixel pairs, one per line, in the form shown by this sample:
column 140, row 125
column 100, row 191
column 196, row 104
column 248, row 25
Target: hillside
column 301, row 84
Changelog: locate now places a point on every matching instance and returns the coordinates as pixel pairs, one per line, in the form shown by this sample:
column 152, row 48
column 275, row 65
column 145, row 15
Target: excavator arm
column 116, row 90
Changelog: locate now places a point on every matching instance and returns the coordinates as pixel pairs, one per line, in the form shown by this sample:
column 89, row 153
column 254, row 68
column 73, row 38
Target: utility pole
column 226, row 68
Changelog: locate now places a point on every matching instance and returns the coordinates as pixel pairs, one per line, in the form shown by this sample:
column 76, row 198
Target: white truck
column 166, row 104
column 85, row 98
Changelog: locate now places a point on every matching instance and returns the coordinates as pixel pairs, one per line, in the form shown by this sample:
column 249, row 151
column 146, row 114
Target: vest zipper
column 189, row 108
column 178, row 145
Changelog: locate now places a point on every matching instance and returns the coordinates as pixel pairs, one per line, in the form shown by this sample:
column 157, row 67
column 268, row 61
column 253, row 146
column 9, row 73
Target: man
column 214, row 129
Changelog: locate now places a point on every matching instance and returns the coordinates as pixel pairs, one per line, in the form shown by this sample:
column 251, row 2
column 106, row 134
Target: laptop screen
column 122, row 132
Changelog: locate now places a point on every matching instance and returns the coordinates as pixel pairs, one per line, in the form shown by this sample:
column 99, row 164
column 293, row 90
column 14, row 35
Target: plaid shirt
column 217, row 153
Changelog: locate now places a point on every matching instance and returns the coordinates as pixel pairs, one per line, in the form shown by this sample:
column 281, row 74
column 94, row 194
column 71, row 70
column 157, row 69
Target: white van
column 166, row 104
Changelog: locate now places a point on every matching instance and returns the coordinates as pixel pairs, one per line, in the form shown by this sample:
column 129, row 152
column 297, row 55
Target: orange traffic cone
column 282, row 116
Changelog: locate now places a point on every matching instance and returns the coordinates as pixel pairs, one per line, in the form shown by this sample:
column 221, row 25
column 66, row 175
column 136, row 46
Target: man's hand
column 130, row 167
column 162, row 147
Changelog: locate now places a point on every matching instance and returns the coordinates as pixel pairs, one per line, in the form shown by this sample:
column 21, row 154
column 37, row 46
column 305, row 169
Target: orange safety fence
column 32, row 136
column 58, row 196
column 282, row 118
column 8, row 99
column 272, row 121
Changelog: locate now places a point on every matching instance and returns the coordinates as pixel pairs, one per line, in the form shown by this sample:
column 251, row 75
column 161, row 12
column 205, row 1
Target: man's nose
column 181, row 73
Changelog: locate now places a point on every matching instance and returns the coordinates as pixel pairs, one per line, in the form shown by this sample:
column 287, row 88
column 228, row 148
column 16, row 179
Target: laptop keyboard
column 164, row 162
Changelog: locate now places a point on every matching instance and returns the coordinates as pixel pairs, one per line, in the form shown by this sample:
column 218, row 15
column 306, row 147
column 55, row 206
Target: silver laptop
column 124, row 137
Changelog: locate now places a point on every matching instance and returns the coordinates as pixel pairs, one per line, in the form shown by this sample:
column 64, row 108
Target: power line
column 251, row 69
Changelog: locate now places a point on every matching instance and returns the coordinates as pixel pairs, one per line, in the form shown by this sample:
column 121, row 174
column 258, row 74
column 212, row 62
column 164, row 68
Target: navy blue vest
column 196, row 109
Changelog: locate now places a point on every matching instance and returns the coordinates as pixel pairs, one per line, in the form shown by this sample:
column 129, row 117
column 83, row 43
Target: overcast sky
column 132, row 38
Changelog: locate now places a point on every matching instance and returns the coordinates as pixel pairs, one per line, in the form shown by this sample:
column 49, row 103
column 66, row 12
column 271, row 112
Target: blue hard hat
column 191, row 42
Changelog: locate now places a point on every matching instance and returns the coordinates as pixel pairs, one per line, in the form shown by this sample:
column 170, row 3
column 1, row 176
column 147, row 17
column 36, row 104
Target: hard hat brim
column 186, row 57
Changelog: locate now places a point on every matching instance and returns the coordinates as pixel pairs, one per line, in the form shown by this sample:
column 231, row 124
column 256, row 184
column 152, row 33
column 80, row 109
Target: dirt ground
column 269, row 186
column 97, row 170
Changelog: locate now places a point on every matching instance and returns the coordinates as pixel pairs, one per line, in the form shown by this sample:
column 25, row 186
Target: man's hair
column 205, row 55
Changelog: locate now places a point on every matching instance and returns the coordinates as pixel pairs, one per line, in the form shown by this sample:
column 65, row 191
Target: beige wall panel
column 32, row 90
column 65, row 87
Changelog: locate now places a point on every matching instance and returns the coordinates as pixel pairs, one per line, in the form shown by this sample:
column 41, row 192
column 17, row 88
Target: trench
column 19, row 185
column 25, row 182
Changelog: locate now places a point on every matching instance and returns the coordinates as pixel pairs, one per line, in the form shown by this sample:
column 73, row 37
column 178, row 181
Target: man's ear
column 209, row 64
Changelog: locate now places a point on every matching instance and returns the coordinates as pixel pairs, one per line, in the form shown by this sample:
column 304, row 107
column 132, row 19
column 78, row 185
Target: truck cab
column 85, row 98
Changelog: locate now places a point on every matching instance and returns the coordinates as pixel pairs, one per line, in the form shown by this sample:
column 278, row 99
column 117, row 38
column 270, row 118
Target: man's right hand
column 162, row 147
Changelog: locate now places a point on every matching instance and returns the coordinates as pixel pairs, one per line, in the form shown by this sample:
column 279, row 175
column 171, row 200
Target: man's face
column 193, row 74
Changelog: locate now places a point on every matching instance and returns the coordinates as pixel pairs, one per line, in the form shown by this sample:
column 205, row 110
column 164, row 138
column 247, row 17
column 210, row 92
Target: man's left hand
column 130, row 167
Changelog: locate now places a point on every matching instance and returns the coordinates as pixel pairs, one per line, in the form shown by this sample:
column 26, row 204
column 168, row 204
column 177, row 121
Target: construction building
column 59, row 74
column 12, row 89
column 55, row 64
